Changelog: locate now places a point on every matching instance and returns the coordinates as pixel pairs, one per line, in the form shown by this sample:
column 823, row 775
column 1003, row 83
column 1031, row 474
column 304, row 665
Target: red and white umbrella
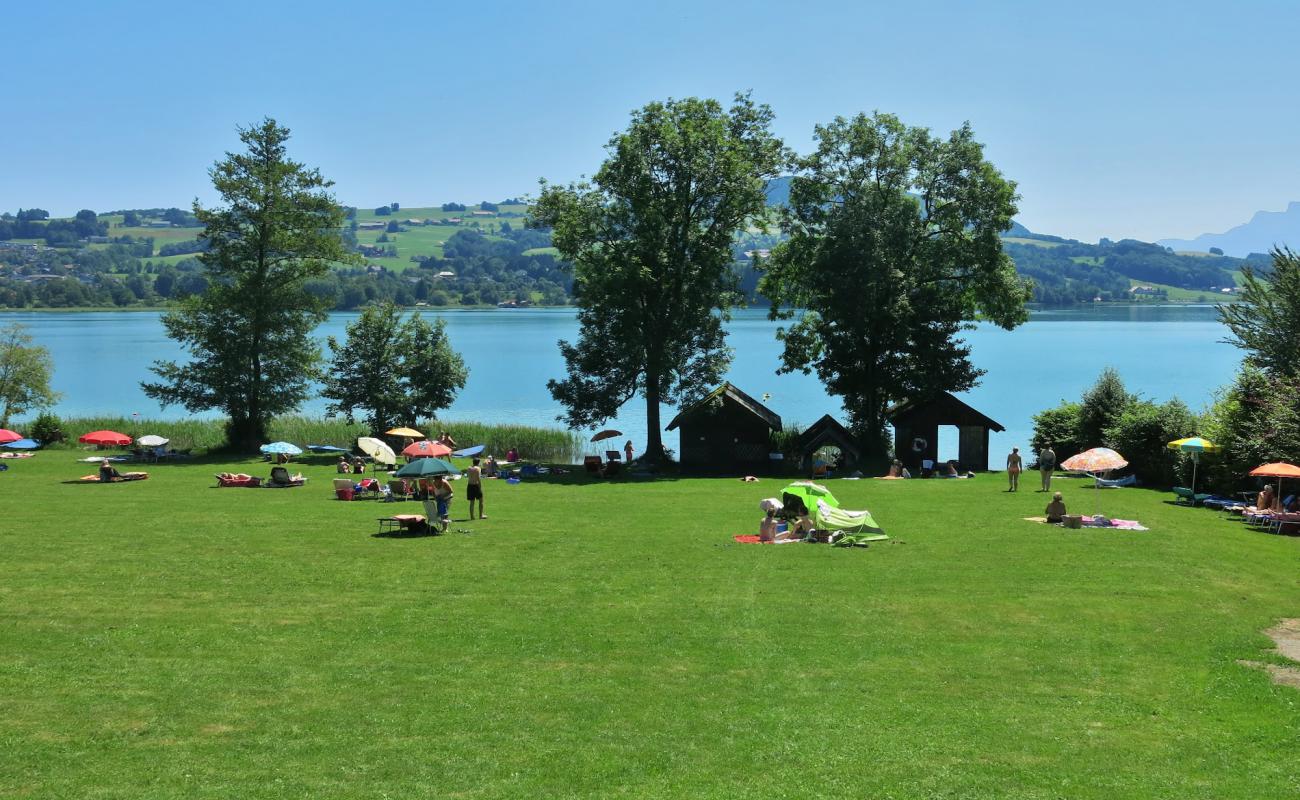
column 7, row 436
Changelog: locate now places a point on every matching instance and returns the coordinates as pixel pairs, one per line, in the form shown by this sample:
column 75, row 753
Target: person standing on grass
column 627, row 451
column 1046, row 465
column 474, row 489
column 1015, row 464
column 442, row 494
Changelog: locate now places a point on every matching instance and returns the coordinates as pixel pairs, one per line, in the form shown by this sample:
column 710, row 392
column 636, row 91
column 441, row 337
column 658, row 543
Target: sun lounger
column 240, row 480
column 403, row 523
column 1185, row 496
column 281, row 479
column 593, row 464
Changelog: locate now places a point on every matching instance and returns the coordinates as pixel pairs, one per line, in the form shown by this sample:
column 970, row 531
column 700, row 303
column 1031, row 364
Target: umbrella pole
column 1195, row 462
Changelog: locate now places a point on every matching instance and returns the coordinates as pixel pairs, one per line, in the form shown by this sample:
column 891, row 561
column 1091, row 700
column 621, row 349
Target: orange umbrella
column 426, row 449
column 1279, row 470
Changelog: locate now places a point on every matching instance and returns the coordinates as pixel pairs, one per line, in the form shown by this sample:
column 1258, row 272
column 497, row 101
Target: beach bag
column 1072, row 521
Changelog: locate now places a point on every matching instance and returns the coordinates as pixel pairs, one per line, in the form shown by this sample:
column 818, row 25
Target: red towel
column 752, row 538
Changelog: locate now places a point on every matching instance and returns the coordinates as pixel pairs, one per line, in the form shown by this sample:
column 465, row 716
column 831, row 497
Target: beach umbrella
column 426, row 449
column 426, row 468
column 1279, row 470
column 286, row 448
column 606, row 434
column 469, row 452
column 1095, row 461
column 376, row 449
column 152, row 441
column 7, row 436
column 23, row 444
column 1194, row 445
column 325, row 448
column 105, row 439
column 409, row 433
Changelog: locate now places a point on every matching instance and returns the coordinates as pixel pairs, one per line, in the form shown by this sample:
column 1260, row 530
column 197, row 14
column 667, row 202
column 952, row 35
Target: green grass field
column 1179, row 295
column 167, row 639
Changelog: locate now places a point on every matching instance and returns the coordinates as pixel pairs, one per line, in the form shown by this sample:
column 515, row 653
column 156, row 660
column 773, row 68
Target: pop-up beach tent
column 825, row 510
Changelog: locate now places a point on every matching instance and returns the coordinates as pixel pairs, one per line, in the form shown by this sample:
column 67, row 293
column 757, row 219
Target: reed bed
column 554, row 445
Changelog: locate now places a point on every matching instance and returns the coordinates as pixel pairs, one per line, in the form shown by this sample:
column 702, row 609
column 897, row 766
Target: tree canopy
column 1266, row 321
column 894, row 246
column 395, row 371
column 25, row 370
column 650, row 243
column 249, row 333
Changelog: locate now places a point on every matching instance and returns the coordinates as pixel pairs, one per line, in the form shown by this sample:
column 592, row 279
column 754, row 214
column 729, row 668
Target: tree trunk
column 654, row 448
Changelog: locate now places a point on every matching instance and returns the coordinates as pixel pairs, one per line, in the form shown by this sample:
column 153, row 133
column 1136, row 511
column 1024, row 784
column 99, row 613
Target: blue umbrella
column 469, row 451
column 325, row 448
column 23, row 444
column 282, row 447
column 426, row 467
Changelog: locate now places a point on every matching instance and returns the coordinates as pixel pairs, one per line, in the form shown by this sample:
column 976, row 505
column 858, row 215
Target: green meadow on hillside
column 166, row 638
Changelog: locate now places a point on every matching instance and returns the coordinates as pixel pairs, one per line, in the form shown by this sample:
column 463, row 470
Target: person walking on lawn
column 474, row 489
column 1046, row 465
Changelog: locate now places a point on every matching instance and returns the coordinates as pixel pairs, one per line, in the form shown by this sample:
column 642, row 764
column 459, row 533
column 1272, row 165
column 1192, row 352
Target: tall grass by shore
column 541, row 444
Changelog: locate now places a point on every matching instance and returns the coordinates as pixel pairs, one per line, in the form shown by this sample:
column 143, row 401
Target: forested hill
column 1067, row 271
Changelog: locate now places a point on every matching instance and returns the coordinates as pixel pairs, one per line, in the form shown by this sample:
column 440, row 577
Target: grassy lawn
column 168, row 639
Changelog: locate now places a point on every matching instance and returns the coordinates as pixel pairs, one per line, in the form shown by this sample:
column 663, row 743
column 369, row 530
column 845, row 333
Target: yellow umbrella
column 1194, row 445
column 409, row 433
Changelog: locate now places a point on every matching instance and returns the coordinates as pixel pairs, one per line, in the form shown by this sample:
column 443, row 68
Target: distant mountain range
column 1264, row 231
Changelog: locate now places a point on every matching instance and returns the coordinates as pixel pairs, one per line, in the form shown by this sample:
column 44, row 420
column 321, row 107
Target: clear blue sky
column 1134, row 119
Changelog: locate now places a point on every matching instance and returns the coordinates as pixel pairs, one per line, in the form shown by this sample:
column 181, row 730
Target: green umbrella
column 426, row 467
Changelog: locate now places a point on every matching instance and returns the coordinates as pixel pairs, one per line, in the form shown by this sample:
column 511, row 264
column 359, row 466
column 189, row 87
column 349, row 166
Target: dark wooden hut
column 827, row 432
column 916, row 431
column 726, row 432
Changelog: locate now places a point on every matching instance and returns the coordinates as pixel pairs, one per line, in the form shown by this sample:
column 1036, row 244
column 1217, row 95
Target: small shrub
column 47, row 429
column 1142, row 434
column 1060, row 427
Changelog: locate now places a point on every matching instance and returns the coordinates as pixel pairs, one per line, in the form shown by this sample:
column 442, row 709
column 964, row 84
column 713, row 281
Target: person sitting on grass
column 107, row 472
column 358, row 466
column 344, row 467
column 1055, row 510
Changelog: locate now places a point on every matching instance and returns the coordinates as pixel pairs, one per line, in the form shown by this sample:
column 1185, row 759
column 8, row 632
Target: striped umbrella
column 1194, row 445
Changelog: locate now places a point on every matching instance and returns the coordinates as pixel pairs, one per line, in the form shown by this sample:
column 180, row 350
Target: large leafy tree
column 1266, row 321
column 249, row 333
column 650, row 242
column 894, row 247
column 25, row 370
column 393, row 371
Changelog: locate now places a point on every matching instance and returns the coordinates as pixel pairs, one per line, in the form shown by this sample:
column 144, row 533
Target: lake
column 1161, row 352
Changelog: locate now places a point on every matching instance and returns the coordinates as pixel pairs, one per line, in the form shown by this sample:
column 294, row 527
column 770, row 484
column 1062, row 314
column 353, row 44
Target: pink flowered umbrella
column 1095, row 461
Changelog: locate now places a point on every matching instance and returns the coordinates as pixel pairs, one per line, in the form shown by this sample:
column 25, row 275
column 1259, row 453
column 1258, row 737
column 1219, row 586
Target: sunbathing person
column 343, row 466
column 1055, row 510
column 107, row 472
column 1265, row 501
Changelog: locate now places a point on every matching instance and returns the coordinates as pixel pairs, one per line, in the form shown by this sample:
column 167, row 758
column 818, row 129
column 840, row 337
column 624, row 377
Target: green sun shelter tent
column 825, row 509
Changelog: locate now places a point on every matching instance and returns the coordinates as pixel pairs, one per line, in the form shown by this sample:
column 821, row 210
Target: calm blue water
column 1161, row 352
